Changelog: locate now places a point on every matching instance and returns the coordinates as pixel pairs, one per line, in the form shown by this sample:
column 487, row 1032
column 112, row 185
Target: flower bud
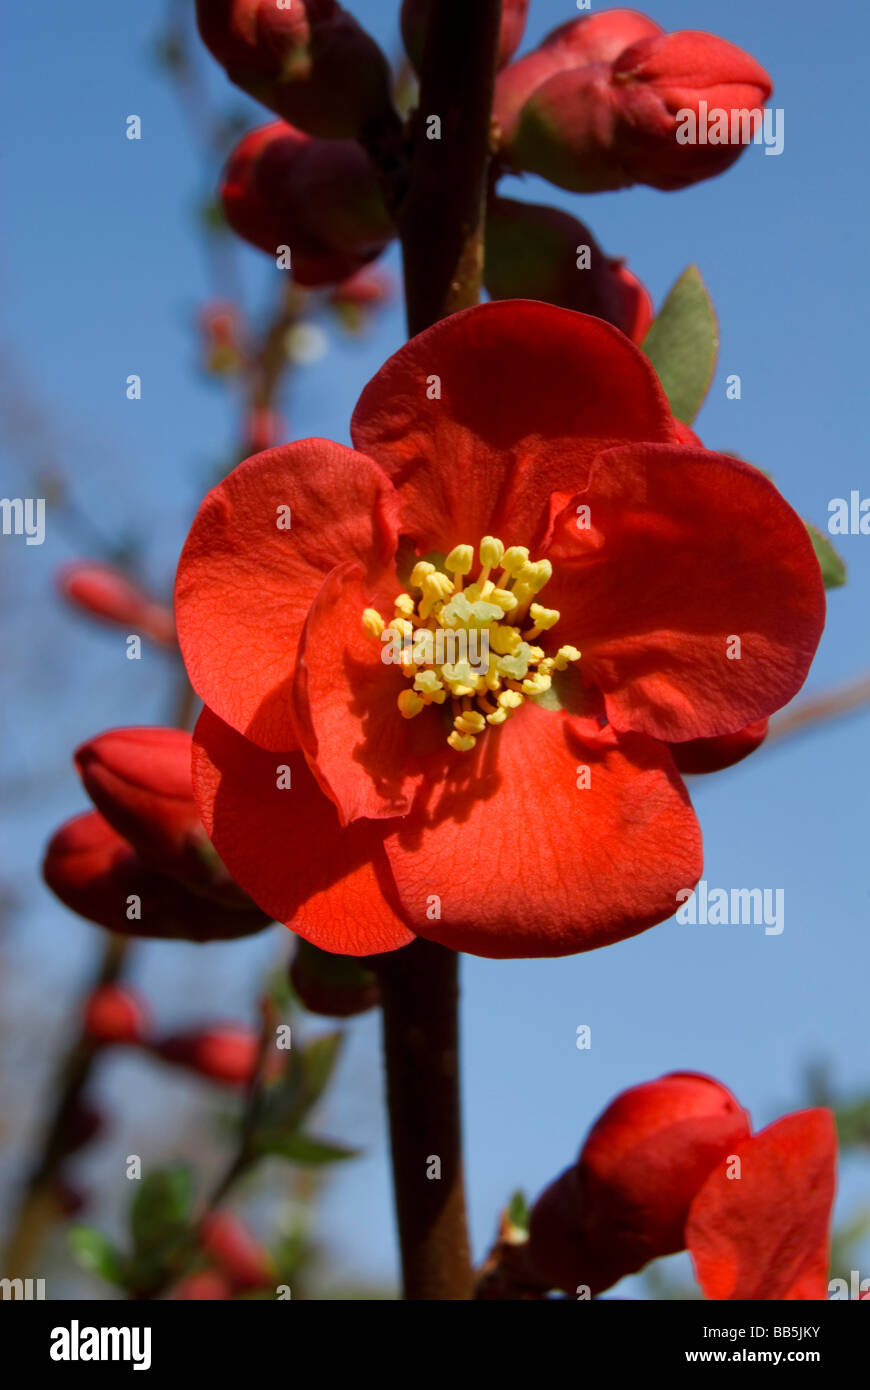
column 634, row 1181
column 309, row 61
column 594, row 38
column 114, row 1014
column 225, row 1052
column 206, row 1285
column 337, row 986
column 95, row 872
column 82, row 1125
column 537, row 252
column 320, row 198
column 220, row 329
column 594, row 126
column 245, row 1263
column 106, row 593
column 415, row 20
column 264, row 428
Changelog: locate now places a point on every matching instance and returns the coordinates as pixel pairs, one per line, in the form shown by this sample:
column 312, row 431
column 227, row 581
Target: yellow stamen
column 372, row 622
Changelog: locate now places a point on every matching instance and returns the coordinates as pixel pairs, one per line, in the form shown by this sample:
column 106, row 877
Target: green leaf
column 288, row 1100
column 518, row 1211
column 95, row 1253
column 682, row 345
column 319, row 1060
column 832, row 567
column 307, row 1148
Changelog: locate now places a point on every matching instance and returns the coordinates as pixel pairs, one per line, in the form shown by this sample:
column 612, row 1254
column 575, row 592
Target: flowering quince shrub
column 410, row 782
column 454, row 674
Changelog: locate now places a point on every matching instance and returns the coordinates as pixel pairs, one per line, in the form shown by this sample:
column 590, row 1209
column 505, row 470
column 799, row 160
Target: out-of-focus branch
column 845, row 699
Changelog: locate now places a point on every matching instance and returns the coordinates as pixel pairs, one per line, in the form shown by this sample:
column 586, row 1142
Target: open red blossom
column 361, row 792
column 766, row 1235
column 671, row 1165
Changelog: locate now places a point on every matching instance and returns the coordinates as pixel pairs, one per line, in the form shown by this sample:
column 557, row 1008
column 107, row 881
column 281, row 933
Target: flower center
column 473, row 645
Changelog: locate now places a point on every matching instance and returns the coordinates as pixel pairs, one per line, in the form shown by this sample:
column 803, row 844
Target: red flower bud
column 106, row 593
column 698, row 755
column 263, row 430
column 365, row 288
column 226, row 1052
column 767, row 1236
column 415, row 20
column 626, row 1200
column 140, row 780
column 114, row 1014
column 537, row 252
column 220, row 328
column 590, row 126
column 337, row 986
column 70, row 1200
column 82, row 1125
column 594, row 38
column 309, row 61
column 205, row 1285
column 242, row 1259
column 95, row 872
column 318, row 197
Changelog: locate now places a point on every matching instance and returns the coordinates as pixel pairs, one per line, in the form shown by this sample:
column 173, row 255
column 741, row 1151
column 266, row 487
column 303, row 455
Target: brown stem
column 419, row 993
column 846, row 699
column 441, row 217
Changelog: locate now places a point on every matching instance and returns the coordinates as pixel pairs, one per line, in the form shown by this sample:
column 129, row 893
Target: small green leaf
column 682, row 345
column 95, row 1253
column 832, row 567
column 161, row 1208
column 518, row 1211
column 307, row 1148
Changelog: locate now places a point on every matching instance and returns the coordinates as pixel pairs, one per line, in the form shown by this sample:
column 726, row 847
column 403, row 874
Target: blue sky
column 101, row 274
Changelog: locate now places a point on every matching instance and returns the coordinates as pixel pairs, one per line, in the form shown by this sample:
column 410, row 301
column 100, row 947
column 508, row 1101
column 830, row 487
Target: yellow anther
column 463, row 743
column 404, row 605
column 547, row 666
column 504, row 598
column 418, row 573
column 504, row 640
column 437, row 697
column 514, row 558
column 469, row 722
column 372, row 622
column 492, row 679
column 409, row 704
column 403, row 626
column 517, row 664
column 498, row 716
column 564, row 656
column 536, row 684
column 491, row 552
column 460, row 559
column 510, row 699
column 436, row 589
column 543, row 619
column 427, row 682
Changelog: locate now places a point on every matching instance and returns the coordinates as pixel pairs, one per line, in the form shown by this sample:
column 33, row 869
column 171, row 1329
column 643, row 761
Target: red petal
column 766, row 1235
column 687, row 549
column 244, row 586
column 286, row 847
column 529, row 395
column 713, row 754
column 521, row 862
column 366, row 757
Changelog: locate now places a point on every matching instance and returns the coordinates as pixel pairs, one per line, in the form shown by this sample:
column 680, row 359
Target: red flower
column 594, row 110
column 538, row 252
column 320, row 198
column 570, row 827
column 106, row 593
column 144, row 866
column 232, row 1247
column 671, row 1165
column 310, row 61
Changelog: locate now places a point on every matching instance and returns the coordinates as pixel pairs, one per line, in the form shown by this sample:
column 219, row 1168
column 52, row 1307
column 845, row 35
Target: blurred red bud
column 264, row 429
column 83, row 1123
column 246, row 1263
column 366, row 287
column 220, row 328
column 626, row 1199
column 114, row 1014
column 71, row 1200
column 94, row 872
column 606, row 123
column 106, row 593
column 320, row 198
column 538, row 252
column 415, row 20
column 225, row 1052
column 308, row 60
column 336, row 986
column 206, row 1285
